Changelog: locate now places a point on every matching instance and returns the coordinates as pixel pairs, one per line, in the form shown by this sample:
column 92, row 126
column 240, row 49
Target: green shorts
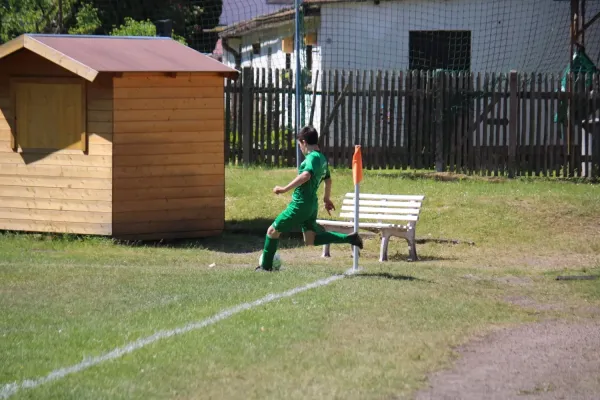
column 295, row 215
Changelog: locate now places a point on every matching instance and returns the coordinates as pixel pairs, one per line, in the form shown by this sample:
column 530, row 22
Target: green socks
column 269, row 252
column 331, row 237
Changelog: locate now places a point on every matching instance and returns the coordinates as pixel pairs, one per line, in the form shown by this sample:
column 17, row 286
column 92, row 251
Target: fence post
column 513, row 124
column 439, row 136
column 246, row 128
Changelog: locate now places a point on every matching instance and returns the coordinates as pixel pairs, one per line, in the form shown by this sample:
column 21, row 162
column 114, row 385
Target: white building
column 471, row 35
column 478, row 35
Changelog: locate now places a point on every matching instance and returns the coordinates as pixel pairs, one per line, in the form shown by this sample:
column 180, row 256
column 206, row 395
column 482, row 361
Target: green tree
column 140, row 28
column 190, row 17
column 43, row 16
column 87, row 21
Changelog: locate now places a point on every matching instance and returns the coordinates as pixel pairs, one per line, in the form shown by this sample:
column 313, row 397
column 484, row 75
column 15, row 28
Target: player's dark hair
column 309, row 134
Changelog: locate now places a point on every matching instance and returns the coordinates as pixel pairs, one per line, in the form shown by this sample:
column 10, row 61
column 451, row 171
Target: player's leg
column 283, row 223
column 316, row 235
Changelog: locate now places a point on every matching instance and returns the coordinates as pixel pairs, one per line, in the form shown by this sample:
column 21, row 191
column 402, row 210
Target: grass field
column 375, row 335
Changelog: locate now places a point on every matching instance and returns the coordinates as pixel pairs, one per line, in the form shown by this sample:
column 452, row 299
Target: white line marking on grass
column 10, row 389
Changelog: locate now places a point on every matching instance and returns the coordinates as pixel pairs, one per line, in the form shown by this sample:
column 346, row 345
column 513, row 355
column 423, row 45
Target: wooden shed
column 117, row 136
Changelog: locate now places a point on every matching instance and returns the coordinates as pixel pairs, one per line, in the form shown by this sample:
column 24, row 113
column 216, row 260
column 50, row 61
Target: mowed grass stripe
column 8, row 390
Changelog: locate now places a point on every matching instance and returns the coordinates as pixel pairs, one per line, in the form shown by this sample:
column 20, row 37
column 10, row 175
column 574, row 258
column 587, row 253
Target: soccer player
column 302, row 210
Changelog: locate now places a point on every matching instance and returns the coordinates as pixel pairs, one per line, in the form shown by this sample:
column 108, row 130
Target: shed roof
column 87, row 56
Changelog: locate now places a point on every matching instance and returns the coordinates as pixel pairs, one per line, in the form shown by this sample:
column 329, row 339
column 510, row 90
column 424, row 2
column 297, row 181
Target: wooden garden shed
column 116, row 136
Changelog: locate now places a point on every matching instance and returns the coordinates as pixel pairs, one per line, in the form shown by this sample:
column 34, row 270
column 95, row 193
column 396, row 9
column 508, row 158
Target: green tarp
column 582, row 64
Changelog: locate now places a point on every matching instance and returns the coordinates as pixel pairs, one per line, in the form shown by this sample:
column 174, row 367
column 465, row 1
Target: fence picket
column 523, row 148
column 488, row 109
column 269, row 117
column 478, row 139
column 277, row 118
column 399, row 118
column 392, row 122
column 504, row 165
column 397, row 152
column 580, row 123
column 364, row 107
column 336, row 124
column 383, row 160
column 553, row 136
column 369, row 134
column 291, row 152
column 343, row 128
column 595, row 140
column 356, row 137
column 349, row 127
column 538, row 126
column 546, row 131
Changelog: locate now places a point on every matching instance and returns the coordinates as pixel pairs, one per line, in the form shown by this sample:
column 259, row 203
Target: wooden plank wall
column 169, row 174
column 63, row 191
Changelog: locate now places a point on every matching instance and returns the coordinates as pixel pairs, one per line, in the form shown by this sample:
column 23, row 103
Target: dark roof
column 88, row 55
column 266, row 21
column 311, row 7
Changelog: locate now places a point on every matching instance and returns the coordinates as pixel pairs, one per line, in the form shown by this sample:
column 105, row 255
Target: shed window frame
column 14, row 81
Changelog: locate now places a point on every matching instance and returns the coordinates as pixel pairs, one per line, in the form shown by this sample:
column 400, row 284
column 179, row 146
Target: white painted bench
column 389, row 215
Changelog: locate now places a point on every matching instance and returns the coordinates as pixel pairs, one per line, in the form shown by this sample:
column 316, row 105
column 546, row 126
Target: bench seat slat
column 382, row 210
column 386, row 203
column 382, row 217
column 362, row 224
column 386, row 196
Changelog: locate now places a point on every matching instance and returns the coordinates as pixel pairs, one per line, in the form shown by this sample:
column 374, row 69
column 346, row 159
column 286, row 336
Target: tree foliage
column 191, row 18
column 132, row 27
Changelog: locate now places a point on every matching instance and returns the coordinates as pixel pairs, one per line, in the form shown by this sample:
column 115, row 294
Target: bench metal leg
column 383, row 254
column 326, row 252
column 412, row 248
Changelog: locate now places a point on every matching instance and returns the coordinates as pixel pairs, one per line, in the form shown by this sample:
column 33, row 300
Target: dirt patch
column 528, row 302
column 507, row 280
column 544, row 361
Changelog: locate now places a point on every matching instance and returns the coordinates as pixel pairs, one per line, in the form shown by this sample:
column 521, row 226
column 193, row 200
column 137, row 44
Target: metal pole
column 354, row 248
column 298, row 78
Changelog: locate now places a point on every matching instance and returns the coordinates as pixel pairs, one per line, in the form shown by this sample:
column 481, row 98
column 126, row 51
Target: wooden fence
column 491, row 124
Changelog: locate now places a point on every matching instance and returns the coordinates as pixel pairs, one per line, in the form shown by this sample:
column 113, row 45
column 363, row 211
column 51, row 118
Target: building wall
column 273, row 39
column 169, row 174
column 527, row 35
column 58, row 191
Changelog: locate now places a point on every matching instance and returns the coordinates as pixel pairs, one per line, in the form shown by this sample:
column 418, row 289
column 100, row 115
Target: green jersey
column 316, row 164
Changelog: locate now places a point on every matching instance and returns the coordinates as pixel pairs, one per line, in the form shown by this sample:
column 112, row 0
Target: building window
column 256, row 49
column 49, row 115
column 432, row 50
column 309, row 58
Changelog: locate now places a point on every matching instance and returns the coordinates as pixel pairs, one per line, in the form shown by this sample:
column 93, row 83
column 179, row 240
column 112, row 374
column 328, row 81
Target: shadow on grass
column 404, row 257
column 387, row 275
column 225, row 243
column 239, row 237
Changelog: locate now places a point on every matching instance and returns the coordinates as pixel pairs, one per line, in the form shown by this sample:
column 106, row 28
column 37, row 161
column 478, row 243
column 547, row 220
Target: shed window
column 49, row 115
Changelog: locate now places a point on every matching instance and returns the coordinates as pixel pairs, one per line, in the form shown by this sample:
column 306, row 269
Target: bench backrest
column 383, row 207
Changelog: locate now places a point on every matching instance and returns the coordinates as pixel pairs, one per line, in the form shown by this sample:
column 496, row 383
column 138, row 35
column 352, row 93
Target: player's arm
column 327, row 195
column 299, row 180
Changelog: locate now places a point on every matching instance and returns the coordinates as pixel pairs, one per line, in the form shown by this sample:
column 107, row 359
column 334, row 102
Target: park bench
column 388, row 215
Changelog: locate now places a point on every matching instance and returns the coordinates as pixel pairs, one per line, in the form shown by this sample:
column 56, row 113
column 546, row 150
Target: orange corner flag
column 357, row 167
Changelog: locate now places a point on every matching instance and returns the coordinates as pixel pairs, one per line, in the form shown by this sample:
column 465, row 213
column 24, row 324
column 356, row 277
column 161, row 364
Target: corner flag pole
column 357, row 177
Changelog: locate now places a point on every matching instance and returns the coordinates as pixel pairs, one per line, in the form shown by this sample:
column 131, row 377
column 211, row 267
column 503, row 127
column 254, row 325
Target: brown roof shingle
column 89, row 55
